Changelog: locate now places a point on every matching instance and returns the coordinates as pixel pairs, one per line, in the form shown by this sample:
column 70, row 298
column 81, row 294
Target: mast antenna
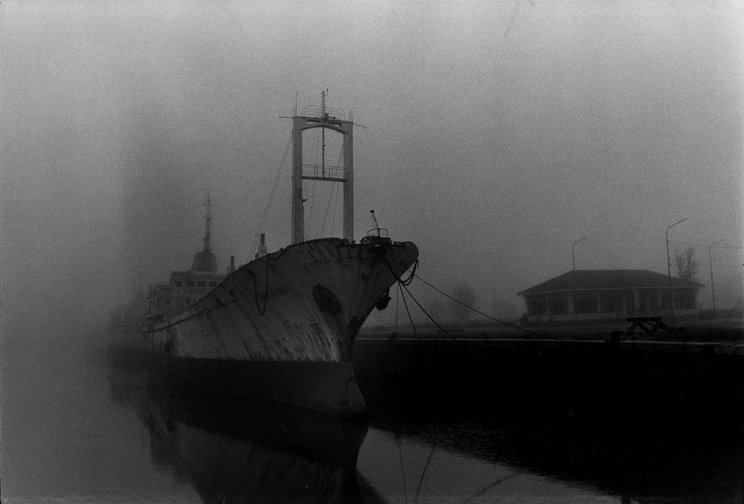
column 322, row 131
column 208, row 221
column 374, row 219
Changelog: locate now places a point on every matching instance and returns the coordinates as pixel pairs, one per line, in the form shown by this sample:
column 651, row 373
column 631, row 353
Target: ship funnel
column 262, row 246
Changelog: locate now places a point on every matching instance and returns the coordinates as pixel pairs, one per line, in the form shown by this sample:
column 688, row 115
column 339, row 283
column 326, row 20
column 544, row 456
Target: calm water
column 76, row 430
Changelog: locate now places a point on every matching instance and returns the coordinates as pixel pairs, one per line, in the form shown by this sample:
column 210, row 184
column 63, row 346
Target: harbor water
column 76, row 429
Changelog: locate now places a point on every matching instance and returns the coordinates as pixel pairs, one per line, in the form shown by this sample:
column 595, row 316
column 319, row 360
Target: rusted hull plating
column 302, row 304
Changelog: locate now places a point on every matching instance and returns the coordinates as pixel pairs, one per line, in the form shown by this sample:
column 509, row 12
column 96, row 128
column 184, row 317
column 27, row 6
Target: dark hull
column 325, row 387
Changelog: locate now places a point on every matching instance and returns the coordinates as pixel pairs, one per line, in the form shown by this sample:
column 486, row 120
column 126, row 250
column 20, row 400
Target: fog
column 495, row 135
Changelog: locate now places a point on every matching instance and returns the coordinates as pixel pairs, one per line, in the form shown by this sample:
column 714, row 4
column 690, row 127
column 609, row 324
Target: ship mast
column 204, row 260
column 208, row 221
column 312, row 117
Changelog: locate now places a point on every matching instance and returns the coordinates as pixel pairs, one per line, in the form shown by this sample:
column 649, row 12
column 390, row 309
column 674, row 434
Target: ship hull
column 282, row 327
column 325, row 387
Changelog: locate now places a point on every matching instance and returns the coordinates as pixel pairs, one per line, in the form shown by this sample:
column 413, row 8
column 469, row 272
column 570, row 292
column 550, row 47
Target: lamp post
column 573, row 251
column 669, row 264
column 710, row 264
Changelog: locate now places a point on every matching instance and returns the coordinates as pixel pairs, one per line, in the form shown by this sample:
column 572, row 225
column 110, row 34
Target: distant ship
column 127, row 345
column 281, row 327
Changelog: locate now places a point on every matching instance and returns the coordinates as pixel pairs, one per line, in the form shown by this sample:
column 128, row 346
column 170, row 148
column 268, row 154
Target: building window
column 178, row 284
column 558, row 305
column 585, row 304
column 189, row 284
column 202, row 284
column 188, row 301
column 611, row 303
column 683, row 300
column 212, row 284
column 664, row 301
column 537, row 306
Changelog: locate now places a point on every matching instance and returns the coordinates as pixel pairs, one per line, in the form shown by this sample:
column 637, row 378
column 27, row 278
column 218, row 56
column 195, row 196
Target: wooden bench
column 649, row 325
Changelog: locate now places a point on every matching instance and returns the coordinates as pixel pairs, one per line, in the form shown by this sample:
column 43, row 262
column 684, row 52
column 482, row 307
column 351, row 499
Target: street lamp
column 573, row 253
column 669, row 264
column 710, row 264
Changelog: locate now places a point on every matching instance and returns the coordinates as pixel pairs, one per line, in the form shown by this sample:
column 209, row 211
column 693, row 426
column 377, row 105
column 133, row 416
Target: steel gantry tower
column 312, row 117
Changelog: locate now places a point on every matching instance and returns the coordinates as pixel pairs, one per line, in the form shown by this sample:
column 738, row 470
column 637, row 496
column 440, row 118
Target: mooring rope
column 403, row 284
column 409, row 280
column 514, row 326
column 410, row 319
column 439, row 326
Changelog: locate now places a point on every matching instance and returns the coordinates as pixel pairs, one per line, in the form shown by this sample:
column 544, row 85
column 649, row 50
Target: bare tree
column 503, row 309
column 466, row 297
column 687, row 265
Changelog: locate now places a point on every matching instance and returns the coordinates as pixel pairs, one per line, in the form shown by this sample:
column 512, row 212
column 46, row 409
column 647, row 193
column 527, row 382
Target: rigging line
column 328, row 207
column 423, row 473
column 271, row 197
column 311, row 197
column 413, row 326
column 514, row 326
column 335, row 192
column 338, row 193
column 335, row 207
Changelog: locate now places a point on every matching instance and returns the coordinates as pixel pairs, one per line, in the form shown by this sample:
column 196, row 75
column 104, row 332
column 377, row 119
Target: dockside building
column 590, row 295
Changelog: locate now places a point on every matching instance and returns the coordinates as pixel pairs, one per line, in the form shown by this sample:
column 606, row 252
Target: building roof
column 607, row 279
column 204, row 260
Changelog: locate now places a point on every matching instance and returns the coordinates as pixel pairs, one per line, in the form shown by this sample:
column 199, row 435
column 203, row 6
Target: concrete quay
column 696, row 370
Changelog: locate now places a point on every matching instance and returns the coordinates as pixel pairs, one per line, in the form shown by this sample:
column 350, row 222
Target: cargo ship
column 280, row 328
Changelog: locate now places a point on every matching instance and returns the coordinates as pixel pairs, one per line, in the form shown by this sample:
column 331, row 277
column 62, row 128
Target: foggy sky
column 495, row 135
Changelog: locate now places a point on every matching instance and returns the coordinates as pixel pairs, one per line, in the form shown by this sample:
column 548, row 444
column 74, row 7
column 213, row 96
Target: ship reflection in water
column 234, row 450
column 417, row 449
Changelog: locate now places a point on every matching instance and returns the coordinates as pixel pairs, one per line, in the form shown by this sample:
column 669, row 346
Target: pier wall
column 635, row 378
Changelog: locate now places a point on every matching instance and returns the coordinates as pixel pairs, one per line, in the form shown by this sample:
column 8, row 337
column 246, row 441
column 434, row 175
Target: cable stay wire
column 271, row 197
